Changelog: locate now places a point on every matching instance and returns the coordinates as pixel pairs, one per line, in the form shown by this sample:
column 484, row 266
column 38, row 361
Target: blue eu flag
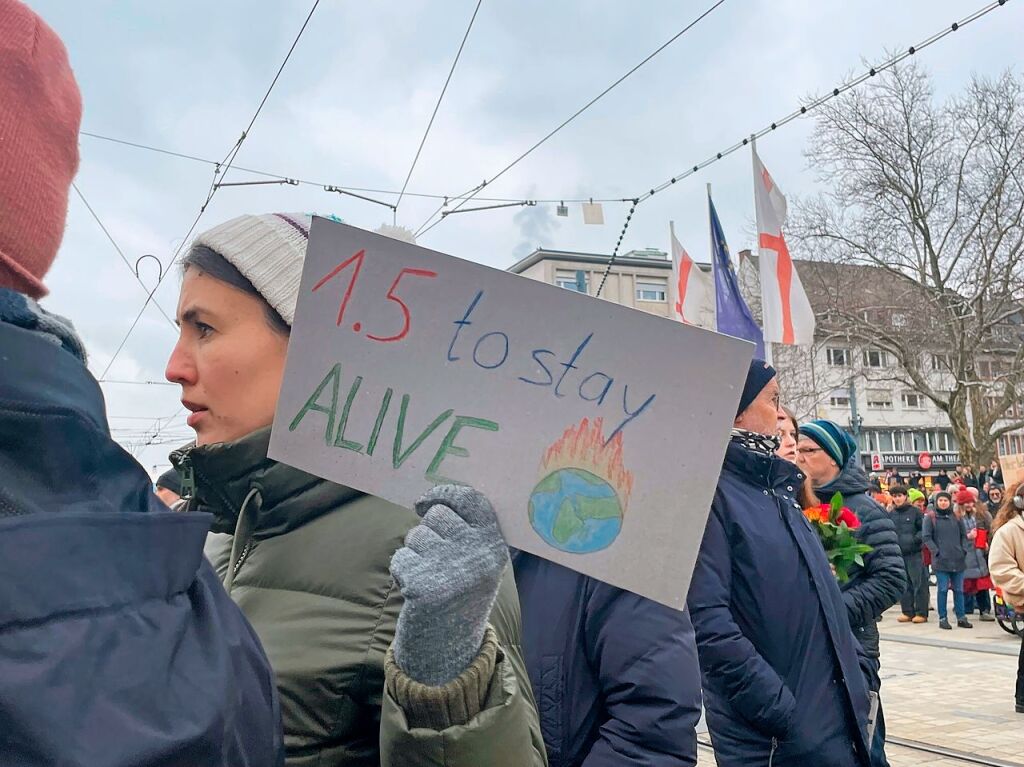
column 732, row 315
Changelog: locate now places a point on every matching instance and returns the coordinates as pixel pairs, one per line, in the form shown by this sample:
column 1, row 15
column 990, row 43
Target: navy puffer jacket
column 615, row 675
column 780, row 666
column 118, row 644
column 878, row 585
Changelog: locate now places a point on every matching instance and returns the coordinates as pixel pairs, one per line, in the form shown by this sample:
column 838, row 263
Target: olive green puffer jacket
column 307, row 561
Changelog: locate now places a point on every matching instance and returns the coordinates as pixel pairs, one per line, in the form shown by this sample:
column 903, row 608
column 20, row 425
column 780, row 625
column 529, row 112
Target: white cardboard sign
column 597, row 431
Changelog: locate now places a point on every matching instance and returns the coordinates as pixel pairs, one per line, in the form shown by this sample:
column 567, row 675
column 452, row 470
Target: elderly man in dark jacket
column 782, row 683
column 831, row 459
column 118, row 644
column 615, row 675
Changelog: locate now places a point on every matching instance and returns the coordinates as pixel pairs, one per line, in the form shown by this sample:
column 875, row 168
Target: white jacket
column 1006, row 561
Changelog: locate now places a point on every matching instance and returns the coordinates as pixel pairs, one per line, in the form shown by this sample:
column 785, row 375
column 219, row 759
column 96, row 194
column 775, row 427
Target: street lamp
column 856, row 419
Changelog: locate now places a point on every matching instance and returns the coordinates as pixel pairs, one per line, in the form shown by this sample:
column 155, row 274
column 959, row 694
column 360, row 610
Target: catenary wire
column 584, row 108
column 217, row 174
column 796, row 113
column 120, row 252
column 347, row 188
column 437, row 106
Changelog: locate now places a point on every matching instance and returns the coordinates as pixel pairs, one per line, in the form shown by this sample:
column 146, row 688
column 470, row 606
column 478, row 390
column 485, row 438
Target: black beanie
column 758, row 376
column 170, row 480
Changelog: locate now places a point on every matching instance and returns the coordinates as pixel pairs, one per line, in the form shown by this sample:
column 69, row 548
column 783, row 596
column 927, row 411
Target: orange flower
column 816, row 514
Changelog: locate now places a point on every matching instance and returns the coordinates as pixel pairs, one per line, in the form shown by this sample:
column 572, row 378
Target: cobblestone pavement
column 952, row 689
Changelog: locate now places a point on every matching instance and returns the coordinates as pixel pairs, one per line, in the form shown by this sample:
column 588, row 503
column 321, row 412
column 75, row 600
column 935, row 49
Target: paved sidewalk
column 952, row 689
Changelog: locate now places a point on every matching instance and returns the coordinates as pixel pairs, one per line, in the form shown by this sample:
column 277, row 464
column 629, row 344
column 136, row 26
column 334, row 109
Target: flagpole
column 675, row 272
column 768, row 355
column 714, row 261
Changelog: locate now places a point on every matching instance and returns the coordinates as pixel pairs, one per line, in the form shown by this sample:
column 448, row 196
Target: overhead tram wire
column 220, row 171
column 796, row 113
column 120, row 252
column 346, row 188
column 437, row 106
column 424, row 228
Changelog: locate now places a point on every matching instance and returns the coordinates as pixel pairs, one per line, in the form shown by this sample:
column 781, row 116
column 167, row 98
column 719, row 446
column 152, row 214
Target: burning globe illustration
column 579, row 504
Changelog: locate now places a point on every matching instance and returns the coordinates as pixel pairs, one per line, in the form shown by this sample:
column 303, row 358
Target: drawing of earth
column 575, row 511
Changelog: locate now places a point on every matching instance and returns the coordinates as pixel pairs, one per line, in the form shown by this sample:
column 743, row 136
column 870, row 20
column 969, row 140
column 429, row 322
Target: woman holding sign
column 420, row 668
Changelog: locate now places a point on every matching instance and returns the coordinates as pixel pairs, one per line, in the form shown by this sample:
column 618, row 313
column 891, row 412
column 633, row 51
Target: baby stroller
column 1009, row 621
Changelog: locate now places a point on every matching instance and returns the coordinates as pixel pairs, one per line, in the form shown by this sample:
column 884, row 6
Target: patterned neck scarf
column 762, row 444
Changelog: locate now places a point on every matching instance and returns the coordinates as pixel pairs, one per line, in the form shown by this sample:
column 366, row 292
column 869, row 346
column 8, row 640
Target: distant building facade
column 639, row 279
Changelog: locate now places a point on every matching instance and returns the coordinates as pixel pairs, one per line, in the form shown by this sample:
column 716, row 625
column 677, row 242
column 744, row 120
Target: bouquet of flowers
column 834, row 524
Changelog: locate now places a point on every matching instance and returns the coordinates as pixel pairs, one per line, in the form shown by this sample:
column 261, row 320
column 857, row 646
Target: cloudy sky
column 352, row 104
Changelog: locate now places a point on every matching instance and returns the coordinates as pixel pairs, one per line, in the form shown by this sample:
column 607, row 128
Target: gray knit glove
column 448, row 571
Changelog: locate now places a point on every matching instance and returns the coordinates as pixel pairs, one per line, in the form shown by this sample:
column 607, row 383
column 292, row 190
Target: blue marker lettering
column 545, row 368
column 459, row 324
column 569, row 365
column 631, row 413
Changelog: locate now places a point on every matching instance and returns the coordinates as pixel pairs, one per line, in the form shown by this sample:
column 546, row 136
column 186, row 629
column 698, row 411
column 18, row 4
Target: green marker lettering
column 340, row 440
column 397, row 456
column 333, row 377
column 384, row 404
column 448, row 446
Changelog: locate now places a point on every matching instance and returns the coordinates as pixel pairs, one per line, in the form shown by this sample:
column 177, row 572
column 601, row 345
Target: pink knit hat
column 40, row 111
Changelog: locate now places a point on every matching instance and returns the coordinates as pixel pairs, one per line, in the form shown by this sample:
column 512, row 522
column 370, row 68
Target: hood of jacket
column 852, row 479
column 56, row 453
column 227, row 473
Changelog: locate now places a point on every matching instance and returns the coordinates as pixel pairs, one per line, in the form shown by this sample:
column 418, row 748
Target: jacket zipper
column 241, row 558
column 253, row 495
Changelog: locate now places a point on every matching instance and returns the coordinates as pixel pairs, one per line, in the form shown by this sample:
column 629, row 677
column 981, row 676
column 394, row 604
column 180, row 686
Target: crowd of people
column 254, row 614
column 945, row 536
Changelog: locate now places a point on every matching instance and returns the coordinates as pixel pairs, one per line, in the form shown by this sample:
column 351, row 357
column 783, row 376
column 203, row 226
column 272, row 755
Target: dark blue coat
column 615, row 675
column 118, row 644
column 878, row 585
column 776, row 652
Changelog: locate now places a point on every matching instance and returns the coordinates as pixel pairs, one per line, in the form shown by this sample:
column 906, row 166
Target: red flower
column 847, row 516
column 824, row 513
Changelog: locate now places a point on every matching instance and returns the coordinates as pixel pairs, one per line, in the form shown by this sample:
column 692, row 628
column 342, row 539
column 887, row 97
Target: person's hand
column 449, row 571
column 972, row 534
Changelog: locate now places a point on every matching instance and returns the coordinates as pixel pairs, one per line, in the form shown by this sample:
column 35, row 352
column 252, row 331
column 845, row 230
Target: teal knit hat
column 832, row 439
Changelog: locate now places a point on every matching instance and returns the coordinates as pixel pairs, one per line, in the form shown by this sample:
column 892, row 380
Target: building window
column 942, row 362
column 913, row 401
column 875, row 358
column 651, row 290
column 989, row 370
column 569, row 281
column 839, row 398
column 879, row 400
column 884, row 441
column 839, row 358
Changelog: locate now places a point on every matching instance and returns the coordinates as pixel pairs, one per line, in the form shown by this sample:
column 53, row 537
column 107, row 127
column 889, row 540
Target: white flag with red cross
column 786, row 314
column 694, row 299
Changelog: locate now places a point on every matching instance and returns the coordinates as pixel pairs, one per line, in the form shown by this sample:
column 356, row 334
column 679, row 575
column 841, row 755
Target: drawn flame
column 583, row 447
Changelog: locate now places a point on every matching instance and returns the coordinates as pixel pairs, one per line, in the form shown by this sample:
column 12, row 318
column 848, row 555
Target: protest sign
column 597, row 431
column 1013, row 468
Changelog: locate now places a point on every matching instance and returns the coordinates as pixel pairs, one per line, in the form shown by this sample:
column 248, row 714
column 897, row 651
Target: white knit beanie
column 268, row 250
